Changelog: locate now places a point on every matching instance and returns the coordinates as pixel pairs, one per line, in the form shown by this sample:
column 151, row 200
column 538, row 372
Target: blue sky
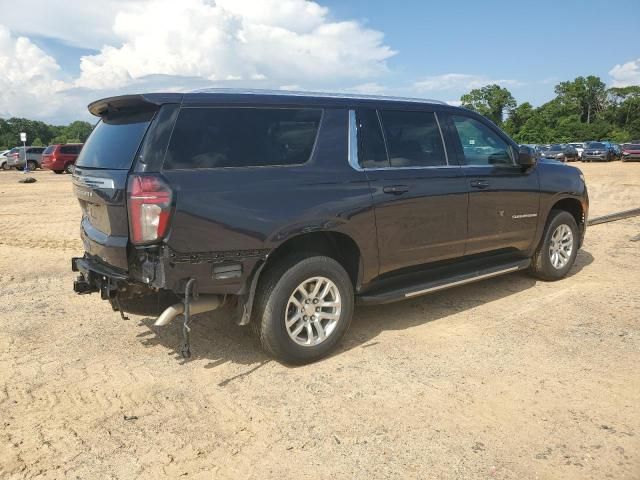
column 416, row 48
column 537, row 43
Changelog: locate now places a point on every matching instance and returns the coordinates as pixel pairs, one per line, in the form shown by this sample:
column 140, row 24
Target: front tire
column 558, row 248
column 303, row 308
column 32, row 166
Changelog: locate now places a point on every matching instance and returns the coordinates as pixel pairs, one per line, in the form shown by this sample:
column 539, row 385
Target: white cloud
column 459, row 81
column 81, row 23
column 281, row 41
column 28, row 80
column 626, row 74
column 164, row 45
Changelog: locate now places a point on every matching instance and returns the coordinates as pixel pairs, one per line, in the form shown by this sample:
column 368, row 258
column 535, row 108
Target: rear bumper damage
column 124, row 293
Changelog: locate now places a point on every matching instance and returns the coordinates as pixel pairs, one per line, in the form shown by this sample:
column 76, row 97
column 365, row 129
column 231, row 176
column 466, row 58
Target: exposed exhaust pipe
column 205, row 303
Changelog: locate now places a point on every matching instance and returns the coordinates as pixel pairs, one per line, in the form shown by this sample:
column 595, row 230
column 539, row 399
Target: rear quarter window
column 49, row 149
column 217, row 137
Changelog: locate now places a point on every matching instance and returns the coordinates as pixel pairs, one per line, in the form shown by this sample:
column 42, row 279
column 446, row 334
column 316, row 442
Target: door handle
column 396, row 189
column 481, row 184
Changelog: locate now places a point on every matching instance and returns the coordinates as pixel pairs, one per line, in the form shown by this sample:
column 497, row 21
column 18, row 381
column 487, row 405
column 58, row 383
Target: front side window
column 242, row 137
column 413, row 139
column 480, row 144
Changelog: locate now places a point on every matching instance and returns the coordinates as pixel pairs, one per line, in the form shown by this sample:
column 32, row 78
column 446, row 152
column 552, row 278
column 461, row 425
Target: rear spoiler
column 148, row 101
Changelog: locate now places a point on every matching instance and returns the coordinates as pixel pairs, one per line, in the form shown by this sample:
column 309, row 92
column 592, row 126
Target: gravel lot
column 509, row 378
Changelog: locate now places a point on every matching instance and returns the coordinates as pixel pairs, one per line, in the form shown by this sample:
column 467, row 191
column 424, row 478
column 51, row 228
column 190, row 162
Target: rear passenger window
column 480, row 144
column 67, row 149
column 242, row 137
column 413, row 139
column 371, row 151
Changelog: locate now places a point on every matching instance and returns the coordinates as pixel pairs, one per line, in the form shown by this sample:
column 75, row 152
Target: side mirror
column 526, row 156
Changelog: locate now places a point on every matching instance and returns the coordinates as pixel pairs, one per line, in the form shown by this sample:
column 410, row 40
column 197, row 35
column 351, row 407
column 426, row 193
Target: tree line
column 583, row 109
column 40, row 133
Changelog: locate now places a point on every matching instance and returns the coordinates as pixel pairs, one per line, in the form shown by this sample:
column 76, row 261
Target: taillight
column 149, row 206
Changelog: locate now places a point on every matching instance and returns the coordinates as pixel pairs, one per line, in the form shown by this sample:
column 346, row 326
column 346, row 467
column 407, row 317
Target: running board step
column 415, row 290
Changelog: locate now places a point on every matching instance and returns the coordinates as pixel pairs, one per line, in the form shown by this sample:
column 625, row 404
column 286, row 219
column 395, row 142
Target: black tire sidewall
column 273, row 329
column 548, row 270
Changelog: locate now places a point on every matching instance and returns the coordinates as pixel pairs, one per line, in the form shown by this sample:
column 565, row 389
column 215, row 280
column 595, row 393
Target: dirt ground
column 510, row 378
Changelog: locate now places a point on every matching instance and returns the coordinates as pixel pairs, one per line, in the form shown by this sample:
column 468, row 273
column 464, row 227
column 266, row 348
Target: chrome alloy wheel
column 561, row 246
column 313, row 311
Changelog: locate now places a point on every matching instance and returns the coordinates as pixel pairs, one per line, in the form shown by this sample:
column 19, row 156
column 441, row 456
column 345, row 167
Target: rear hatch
column 100, row 180
column 48, row 156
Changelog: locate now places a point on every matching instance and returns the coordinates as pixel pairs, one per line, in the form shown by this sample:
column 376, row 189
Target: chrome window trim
column 384, row 139
column 353, row 142
column 352, row 154
column 444, row 145
column 429, row 167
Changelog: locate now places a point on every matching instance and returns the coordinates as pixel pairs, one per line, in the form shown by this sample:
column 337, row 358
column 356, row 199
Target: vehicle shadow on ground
column 216, row 338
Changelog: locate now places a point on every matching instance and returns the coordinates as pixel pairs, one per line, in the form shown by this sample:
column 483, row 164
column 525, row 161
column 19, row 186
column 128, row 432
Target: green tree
column 492, row 101
column 588, row 96
column 519, row 116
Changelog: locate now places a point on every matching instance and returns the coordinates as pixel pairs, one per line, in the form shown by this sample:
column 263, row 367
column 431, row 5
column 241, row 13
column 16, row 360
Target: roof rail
column 292, row 93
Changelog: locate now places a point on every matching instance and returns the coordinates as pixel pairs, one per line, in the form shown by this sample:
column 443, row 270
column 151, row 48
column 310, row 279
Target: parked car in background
column 33, row 157
column 598, row 152
column 4, row 161
column 631, row 152
column 579, row 146
column 292, row 207
column 561, row 152
column 61, row 158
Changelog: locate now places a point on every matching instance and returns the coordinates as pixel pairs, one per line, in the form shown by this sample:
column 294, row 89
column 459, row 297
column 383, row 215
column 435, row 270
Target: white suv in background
column 579, row 146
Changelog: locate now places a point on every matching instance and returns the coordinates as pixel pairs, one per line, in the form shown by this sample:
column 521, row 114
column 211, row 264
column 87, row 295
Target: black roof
column 267, row 97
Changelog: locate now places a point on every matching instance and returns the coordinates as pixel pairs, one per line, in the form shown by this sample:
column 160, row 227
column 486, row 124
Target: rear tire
column 32, row 165
column 5, row 166
column 58, row 172
column 288, row 292
column 68, row 168
column 558, row 247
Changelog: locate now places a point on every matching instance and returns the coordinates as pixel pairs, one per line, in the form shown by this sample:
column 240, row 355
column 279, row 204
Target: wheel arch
column 337, row 245
column 571, row 205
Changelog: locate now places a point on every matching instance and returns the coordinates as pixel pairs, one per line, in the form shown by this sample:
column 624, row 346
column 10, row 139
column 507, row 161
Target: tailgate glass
column 114, row 141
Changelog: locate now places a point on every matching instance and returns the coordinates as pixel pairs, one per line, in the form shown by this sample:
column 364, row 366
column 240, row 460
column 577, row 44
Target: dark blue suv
column 294, row 207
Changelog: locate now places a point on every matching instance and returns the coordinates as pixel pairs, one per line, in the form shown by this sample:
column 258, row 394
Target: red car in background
column 631, row 152
column 61, row 158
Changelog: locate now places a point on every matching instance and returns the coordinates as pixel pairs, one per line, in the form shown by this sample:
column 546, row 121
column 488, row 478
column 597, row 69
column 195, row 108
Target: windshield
column 115, row 141
column 596, row 145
